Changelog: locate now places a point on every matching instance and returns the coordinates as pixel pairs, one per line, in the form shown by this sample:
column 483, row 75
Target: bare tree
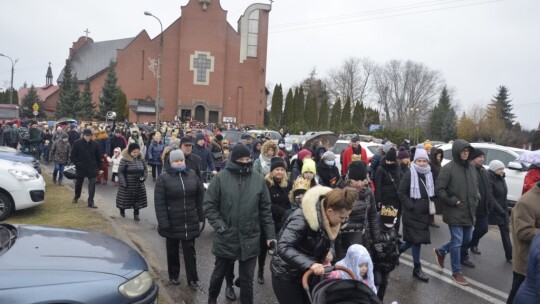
column 352, row 79
column 406, row 91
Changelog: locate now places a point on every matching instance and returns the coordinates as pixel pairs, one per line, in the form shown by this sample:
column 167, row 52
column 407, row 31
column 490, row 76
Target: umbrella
column 529, row 157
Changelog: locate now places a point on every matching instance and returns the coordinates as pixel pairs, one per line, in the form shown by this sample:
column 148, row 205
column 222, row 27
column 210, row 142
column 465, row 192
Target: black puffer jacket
column 178, row 200
column 389, row 242
column 415, row 211
column 387, row 180
column 280, row 201
column 132, row 173
column 303, row 241
column 328, row 175
column 499, row 215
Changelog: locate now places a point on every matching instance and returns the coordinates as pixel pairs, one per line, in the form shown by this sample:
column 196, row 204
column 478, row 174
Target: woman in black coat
column 132, row 173
column 387, row 180
column 306, row 239
column 327, row 171
column 178, row 200
column 415, row 190
column 499, row 214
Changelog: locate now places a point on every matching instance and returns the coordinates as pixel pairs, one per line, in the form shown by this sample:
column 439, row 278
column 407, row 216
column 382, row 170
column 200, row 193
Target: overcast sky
column 477, row 45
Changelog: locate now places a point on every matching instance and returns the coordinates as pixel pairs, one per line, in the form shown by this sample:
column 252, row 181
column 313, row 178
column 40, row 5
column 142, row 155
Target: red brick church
column 210, row 71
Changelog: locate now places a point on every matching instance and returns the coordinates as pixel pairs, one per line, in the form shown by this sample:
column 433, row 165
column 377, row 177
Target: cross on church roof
column 87, row 32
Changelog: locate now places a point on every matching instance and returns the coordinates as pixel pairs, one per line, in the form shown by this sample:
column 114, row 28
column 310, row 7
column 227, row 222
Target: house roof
column 95, row 57
column 43, row 92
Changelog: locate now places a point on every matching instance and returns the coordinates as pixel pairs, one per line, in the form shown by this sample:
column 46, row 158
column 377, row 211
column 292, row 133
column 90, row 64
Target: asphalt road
column 490, row 280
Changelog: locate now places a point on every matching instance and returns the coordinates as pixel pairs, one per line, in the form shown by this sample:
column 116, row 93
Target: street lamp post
column 12, row 71
column 160, row 59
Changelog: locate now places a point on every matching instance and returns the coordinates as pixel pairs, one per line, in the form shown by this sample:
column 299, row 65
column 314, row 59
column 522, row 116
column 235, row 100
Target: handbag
column 70, row 172
column 217, row 155
column 432, row 209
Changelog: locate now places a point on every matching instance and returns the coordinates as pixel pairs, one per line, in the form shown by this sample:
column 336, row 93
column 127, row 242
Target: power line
column 292, row 28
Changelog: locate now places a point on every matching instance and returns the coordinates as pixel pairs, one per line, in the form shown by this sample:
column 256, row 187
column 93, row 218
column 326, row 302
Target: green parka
column 237, row 205
column 457, row 182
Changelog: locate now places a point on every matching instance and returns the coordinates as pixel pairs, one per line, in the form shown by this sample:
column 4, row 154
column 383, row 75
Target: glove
column 379, row 252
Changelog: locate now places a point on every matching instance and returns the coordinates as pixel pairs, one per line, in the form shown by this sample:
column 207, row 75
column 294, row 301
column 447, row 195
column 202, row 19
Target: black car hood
column 58, row 249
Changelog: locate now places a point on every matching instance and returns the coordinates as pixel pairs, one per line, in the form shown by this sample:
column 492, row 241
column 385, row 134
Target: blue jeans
column 415, row 251
column 459, row 235
column 58, row 171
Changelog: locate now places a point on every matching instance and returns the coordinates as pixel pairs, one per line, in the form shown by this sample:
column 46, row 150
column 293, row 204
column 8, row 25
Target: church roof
column 95, row 57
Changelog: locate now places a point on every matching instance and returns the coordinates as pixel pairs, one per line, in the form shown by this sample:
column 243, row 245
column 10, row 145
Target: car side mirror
column 515, row 166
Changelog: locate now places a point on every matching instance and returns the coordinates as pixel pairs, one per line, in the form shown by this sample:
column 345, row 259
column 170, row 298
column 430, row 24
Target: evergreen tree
column 299, row 107
column 121, row 106
column 310, row 112
column 372, row 116
column 109, row 92
column 86, row 109
column 346, row 115
column 443, row 119
column 276, row 111
column 323, row 115
column 28, row 102
column 502, row 102
column 358, row 117
column 67, row 104
column 288, row 113
column 335, row 119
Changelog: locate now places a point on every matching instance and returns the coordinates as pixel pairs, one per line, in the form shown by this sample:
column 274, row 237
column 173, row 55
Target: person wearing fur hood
column 306, row 240
column 262, row 164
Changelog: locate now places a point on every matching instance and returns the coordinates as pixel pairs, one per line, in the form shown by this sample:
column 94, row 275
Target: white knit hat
column 496, row 164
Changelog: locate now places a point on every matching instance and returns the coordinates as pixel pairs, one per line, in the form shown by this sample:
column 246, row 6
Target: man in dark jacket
column 206, row 163
column 457, row 187
column 118, row 141
column 73, row 134
column 193, row 161
column 100, row 136
column 87, row 159
column 237, row 205
column 34, row 139
column 485, row 205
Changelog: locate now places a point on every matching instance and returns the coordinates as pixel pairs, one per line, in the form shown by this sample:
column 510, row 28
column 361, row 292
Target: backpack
column 24, row 134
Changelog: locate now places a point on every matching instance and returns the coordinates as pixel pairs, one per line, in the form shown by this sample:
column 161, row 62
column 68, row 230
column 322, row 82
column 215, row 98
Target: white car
column 340, row 145
column 21, row 187
column 515, row 172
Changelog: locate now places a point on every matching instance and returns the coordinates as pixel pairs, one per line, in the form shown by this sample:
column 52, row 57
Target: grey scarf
column 415, row 187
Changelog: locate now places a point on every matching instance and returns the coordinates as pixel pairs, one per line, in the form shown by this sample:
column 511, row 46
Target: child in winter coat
column 386, row 252
column 309, row 172
column 115, row 162
column 359, row 262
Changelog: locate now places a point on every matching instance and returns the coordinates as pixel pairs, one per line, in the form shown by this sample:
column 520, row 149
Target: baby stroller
column 329, row 291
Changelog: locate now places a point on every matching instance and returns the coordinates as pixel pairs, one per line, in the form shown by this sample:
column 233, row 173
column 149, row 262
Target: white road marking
column 447, row 278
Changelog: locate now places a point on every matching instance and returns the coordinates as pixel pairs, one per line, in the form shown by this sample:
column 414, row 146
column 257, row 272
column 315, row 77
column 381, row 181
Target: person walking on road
column 178, row 197
column 155, row 149
column 415, row 191
column 499, row 215
column 237, row 204
column 528, row 291
column 100, row 136
column 525, row 221
column 59, row 154
column 457, row 187
column 485, row 205
column 132, row 173
column 87, row 159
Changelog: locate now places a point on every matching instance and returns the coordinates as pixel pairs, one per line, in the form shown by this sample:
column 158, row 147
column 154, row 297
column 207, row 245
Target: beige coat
column 525, row 222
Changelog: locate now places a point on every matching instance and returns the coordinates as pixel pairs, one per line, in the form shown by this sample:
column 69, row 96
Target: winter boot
column 136, row 215
column 260, row 276
column 419, row 274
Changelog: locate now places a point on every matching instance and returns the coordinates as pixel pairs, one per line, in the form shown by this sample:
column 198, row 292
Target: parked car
column 21, row 187
column 515, row 173
column 232, row 137
column 8, row 153
column 289, row 140
column 59, row 265
column 370, row 147
column 273, row 135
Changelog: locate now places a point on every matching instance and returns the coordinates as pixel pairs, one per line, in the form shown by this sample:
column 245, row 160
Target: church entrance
column 200, row 113
column 185, row 115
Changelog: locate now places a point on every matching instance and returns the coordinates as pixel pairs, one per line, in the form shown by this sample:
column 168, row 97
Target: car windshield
column 339, row 147
column 232, row 137
column 289, row 139
column 7, row 237
column 373, row 149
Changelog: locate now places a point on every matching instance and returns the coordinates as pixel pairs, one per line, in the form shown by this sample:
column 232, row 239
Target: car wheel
column 6, row 205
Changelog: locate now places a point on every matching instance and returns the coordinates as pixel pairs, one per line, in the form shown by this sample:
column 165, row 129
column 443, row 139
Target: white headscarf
column 357, row 255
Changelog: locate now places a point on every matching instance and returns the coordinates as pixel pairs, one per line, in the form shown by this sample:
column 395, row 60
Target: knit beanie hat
column 495, row 164
column 176, row 155
column 329, row 155
column 309, row 166
column 277, row 162
column 476, row 153
column 357, row 170
column 420, row 153
column 64, row 135
column 402, row 154
column 219, row 137
column 133, row 146
column 199, row 136
column 239, row 150
column 427, row 145
column 391, row 155
column 303, row 153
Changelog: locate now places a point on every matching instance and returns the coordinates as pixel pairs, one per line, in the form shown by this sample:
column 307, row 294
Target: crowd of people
column 307, row 212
